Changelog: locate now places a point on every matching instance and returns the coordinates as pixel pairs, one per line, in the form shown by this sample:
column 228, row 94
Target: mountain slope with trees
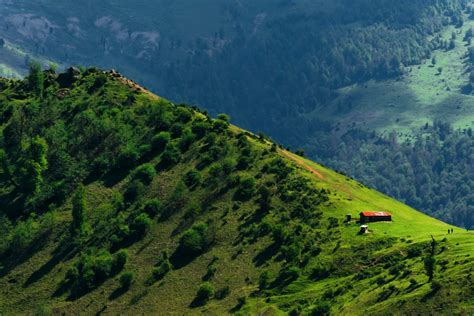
column 304, row 72
column 116, row 201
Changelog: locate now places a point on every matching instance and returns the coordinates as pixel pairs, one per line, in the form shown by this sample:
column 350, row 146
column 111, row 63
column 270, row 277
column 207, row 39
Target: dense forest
column 272, row 79
column 431, row 171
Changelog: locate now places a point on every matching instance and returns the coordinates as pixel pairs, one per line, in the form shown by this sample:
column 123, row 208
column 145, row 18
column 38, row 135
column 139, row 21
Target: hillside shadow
column 12, row 260
column 180, row 259
column 117, row 293
column 266, row 254
column 60, row 254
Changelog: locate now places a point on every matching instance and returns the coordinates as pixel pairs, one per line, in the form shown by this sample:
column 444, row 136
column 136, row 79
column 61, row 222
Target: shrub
column 380, row 281
column 126, row 280
column 170, row 156
column 333, row 222
column 200, row 128
column 184, row 115
column 162, row 269
column 321, row 309
column 205, row 292
column 133, row 191
column 90, row 270
column 290, row 274
column 128, row 157
column 145, row 173
column 247, row 189
column 195, row 240
column 153, row 207
column 24, row 234
column 244, row 162
column 176, row 130
column 211, row 271
column 192, row 179
column 160, row 141
column 435, row 286
column 280, row 234
column 224, row 117
column 320, row 272
column 219, row 125
column 120, row 260
column 140, row 225
column 187, row 139
column 264, row 280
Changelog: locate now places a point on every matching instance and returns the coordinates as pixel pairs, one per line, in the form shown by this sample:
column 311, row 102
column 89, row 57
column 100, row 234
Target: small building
column 364, row 229
column 368, row 217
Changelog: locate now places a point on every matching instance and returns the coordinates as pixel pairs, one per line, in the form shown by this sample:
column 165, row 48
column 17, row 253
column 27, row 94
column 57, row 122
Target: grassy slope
column 408, row 225
column 421, row 96
column 33, row 281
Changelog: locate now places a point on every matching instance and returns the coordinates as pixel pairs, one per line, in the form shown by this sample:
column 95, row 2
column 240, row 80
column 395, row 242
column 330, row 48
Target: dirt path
column 300, row 162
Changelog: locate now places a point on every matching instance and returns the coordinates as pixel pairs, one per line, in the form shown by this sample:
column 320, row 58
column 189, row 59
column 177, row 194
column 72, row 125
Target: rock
column 68, row 78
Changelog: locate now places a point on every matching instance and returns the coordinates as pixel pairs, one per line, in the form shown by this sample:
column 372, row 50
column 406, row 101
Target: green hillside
column 308, row 73
column 423, row 94
column 116, row 201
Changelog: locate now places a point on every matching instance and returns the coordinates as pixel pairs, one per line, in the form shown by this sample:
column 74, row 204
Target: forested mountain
column 432, row 170
column 116, row 201
column 308, row 73
column 268, row 64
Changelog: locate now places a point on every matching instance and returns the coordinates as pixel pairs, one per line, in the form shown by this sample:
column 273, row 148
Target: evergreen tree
column 79, row 210
column 36, row 79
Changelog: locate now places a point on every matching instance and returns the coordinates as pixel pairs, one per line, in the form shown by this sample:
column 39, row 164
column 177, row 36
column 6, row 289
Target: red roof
column 375, row 214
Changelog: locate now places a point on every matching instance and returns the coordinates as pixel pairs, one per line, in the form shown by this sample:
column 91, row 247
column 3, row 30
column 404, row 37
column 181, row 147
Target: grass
column 420, row 96
column 408, row 226
column 240, row 256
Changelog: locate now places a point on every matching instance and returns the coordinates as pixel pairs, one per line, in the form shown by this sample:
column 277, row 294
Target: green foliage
column 430, row 265
column 128, row 157
column 170, row 156
column 33, row 165
column 140, row 225
column 120, row 260
column 247, row 189
column 126, row 280
column 160, row 141
column 90, row 271
column 79, row 211
column 162, row 268
column 153, row 207
column 205, row 292
column 193, row 179
column 264, row 280
column 24, row 234
column 224, row 117
column 145, row 173
column 414, row 171
column 195, row 240
column 6, row 227
column 36, row 79
column 321, row 309
column 187, row 139
column 134, row 190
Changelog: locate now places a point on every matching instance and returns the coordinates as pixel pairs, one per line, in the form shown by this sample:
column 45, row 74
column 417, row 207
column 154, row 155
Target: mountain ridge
column 197, row 214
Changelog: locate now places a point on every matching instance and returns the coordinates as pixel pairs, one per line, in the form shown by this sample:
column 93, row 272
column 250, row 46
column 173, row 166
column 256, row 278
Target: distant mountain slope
column 116, row 201
column 275, row 60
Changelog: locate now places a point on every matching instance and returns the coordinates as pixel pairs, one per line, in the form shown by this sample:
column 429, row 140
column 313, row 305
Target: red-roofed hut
column 367, row 217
